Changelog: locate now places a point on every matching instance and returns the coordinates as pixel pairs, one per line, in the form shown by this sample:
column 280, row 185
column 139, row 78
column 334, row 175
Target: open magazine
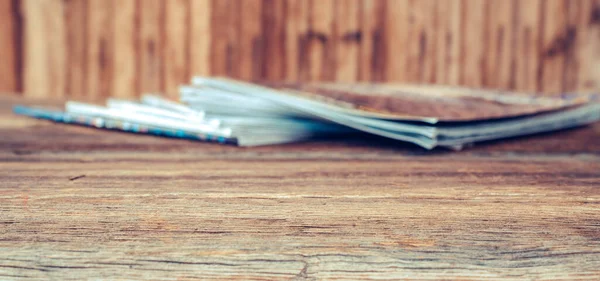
column 250, row 114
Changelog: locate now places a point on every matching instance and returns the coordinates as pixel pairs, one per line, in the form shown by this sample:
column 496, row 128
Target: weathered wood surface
column 78, row 203
column 52, row 48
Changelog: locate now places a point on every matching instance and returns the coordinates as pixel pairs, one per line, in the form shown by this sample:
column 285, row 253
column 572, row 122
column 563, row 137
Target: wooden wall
column 97, row 48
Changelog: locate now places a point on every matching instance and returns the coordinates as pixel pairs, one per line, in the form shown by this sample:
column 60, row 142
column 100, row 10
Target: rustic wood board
column 100, row 48
column 78, row 203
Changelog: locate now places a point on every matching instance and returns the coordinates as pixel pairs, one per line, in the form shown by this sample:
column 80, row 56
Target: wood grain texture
column 372, row 48
column 397, row 20
column 422, row 39
column 572, row 59
column 44, row 54
column 125, row 42
column 9, row 46
column 200, row 37
column 93, row 204
column 76, row 44
column 273, row 26
column 83, row 48
column 151, row 62
column 320, row 40
column 223, row 42
column 527, row 50
column 251, row 40
column 473, row 43
column 296, row 68
column 588, row 47
column 100, row 46
column 554, row 45
column 348, row 39
column 176, row 50
column 448, row 42
column 499, row 60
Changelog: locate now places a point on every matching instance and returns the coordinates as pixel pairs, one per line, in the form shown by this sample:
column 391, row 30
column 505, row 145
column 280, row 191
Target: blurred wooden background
column 97, row 48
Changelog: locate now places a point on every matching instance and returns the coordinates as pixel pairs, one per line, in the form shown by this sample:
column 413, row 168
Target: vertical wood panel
column 8, row 47
column 224, row 30
column 125, row 30
column 583, row 61
column 448, row 42
column 76, row 26
column 571, row 64
column 589, row 73
column 200, row 37
column 96, row 48
column 219, row 39
column 372, row 48
column 498, row 55
column 347, row 40
column 320, row 41
column 233, row 46
column 44, row 55
column 592, row 68
column 555, row 41
column 99, row 48
column 274, row 36
column 527, row 52
column 421, row 41
column 296, row 28
column 473, row 42
column 396, row 39
column 250, row 40
column 176, row 52
column 150, row 46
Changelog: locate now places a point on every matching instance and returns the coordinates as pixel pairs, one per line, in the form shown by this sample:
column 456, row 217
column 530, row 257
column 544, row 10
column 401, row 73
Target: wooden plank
column 449, row 14
column 219, row 38
column 233, row 47
column 9, row 69
column 527, row 45
column 100, row 49
column 224, row 16
column 321, row 47
column 498, row 54
column 420, row 64
column 555, row 42
column 261, row 229
column 473, row 43
column 125, row 56
column 176, row 46
column 347, row 40
column 251, row 41
column 91, row 204
column 527, row 50
column 590, row 71
column 396, row 40
column 273, row 25
column 200, row 37
column 44, row 54
column 296, row 66
column 55, row 42
column 571, row 65
column 373, row 47
column 585, row 55
column 76, row 44
column 151, row 43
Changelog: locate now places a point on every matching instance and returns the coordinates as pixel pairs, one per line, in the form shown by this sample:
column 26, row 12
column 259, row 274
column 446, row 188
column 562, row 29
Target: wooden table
column 79, row 203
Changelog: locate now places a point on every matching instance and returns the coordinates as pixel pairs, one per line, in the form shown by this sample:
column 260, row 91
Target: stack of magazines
column 251, row 114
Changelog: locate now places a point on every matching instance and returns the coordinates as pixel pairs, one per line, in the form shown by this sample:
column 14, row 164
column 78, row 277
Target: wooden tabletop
column 80, row 203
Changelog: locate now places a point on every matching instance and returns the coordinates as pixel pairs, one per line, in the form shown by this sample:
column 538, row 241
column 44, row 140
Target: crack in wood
column 76, row 177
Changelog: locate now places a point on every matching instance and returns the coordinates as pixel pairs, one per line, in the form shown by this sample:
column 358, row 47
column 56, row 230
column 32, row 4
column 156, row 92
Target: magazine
column 264, row 113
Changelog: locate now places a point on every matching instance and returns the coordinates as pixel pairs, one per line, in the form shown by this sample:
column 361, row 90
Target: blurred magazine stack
column 250, row 114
